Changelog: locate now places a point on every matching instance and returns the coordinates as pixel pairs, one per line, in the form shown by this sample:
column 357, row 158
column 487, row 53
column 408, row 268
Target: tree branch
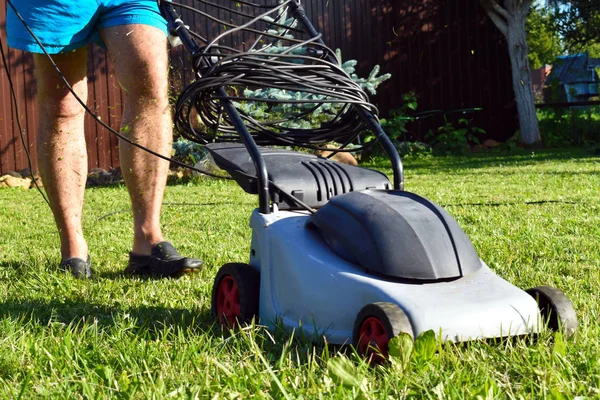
column 497, row 14
column 524, row 7
column 501, row 11
column 527, row 4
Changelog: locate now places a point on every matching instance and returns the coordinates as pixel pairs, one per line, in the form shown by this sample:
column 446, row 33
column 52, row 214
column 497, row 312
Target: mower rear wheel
column 235, row 295
column 556, row 309
column 375, row 325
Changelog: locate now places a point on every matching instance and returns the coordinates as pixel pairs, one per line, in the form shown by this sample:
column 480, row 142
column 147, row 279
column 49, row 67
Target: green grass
column 534, row 218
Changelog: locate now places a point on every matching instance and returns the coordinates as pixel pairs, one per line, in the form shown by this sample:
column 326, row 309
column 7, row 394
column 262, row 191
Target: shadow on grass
column 79, row 313
column 513, row 203
column 116, row 275
column 166, row 205
column 484, row 160
column 460, row 171
column 11, row 265
column 150, row 323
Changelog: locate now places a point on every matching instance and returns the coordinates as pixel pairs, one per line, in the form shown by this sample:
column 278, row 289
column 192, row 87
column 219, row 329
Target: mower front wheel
column 556, row 310
column 375, row 325
column 235, row 295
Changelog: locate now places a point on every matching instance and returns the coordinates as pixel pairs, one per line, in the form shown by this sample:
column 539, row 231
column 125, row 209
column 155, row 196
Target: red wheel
column 373, row 340
column 375, row 325
column 228, row 301
column 235, row 294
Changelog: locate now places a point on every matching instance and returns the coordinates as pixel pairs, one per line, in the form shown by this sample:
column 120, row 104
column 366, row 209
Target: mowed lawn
column 534, row 217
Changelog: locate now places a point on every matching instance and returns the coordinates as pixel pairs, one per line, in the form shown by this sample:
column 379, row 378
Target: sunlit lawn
column 533, row 217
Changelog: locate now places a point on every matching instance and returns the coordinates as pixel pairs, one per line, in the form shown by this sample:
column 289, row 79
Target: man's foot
column 78, row 267
column 164, row 262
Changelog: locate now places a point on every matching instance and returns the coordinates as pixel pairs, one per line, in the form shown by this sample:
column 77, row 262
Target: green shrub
column 395, row 127
column 450, row 139
column 575, row 126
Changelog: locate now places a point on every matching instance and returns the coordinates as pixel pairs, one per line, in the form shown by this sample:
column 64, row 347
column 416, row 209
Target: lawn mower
column 339, row 252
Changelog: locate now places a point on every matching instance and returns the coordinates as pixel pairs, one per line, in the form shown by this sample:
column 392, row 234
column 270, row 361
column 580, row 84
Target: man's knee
column 61, row 106
column 147, row 81
column 55, row 97
column 139, row 53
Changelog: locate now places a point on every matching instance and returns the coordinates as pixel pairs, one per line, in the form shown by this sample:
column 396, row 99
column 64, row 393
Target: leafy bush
column 569, row 126
column 318, row 113
column 187, row 151
column 395, row 124
column 395, row 127
column 262, row 111
column 454, row 139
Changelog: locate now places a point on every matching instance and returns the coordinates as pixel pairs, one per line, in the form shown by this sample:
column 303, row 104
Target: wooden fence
column 447, row 52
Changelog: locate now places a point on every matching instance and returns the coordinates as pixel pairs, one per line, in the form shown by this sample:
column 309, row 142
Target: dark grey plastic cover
column 311, row 179
column 396, row 233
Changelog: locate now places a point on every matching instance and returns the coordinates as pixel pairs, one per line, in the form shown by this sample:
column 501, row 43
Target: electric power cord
column 316, row 76
column 13, row 96
column 302, row 77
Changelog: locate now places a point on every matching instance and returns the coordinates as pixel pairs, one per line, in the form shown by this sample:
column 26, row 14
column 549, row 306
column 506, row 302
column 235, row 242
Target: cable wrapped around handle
column 288, row 91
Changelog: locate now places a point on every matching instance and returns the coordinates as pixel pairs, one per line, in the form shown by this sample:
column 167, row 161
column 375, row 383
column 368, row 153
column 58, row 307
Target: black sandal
column 163, row 262
column 78, row 267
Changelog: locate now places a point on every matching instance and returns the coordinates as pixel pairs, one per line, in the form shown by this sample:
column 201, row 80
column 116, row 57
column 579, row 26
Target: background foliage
column 545, row 43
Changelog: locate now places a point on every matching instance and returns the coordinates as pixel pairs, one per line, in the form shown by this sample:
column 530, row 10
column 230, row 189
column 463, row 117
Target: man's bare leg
column 139, row 53
column 61, row 149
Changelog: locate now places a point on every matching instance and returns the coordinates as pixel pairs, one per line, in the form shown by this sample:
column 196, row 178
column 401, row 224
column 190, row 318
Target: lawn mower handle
column 178, row 28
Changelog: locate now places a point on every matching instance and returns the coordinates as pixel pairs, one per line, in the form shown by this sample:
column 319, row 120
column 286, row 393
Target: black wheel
column 235, row 294
column 556, row 309
column 375, row 325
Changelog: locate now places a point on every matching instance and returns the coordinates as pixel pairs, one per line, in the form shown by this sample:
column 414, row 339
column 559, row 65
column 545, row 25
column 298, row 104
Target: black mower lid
column 396, row 233
column 311, row 179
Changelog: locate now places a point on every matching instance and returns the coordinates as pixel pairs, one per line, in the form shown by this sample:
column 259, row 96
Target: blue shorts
column 65, row 25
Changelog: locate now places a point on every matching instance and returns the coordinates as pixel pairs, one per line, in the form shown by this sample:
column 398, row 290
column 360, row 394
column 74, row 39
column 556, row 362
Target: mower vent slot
column 344, row 178
column 333, row 177
column 323, row 178
column 317, row 181
column 337, row 184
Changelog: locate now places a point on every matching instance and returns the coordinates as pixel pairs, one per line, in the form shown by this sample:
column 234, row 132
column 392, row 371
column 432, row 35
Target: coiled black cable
column 302, row 78
column 316, row 72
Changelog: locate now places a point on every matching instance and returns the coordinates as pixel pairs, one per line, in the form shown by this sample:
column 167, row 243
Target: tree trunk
column 510, row 20
column 521, row 77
